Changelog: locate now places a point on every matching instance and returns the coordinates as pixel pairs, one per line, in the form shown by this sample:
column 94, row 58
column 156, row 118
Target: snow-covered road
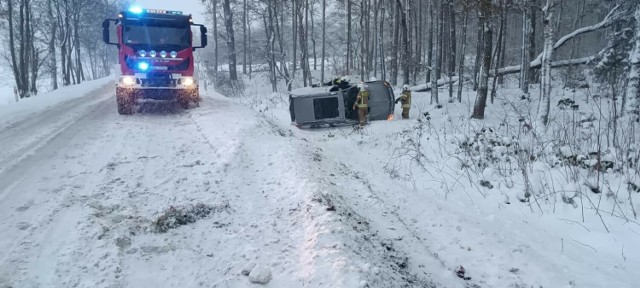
column 82, row 189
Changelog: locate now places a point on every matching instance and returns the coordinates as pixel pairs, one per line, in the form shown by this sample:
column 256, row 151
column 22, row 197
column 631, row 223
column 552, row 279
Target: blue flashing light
column 136, row 10
column 143, row 66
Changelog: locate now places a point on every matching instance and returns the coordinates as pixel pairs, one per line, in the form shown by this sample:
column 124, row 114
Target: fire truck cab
column 155, row 52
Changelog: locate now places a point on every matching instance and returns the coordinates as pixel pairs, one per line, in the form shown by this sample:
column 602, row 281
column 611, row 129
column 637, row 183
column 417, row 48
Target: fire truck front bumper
column 137, row 95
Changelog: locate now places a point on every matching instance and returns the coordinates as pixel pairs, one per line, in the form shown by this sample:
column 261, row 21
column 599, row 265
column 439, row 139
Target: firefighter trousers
column 405, row 113
column 362, row 115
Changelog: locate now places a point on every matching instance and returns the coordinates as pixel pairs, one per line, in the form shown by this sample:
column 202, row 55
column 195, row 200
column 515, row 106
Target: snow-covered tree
column 633, row 87
column 547, row 57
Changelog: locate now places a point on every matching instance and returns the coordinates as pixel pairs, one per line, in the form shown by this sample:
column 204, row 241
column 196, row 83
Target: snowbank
column 16, row 111
column 446, row 191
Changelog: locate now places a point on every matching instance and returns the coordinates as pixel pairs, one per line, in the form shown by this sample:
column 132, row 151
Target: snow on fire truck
column 155, row 51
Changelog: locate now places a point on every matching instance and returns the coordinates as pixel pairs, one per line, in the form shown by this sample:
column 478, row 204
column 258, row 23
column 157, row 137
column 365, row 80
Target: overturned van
column 332, row 105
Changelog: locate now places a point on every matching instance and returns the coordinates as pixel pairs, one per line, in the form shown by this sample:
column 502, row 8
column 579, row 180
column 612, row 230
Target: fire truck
column 156, row 56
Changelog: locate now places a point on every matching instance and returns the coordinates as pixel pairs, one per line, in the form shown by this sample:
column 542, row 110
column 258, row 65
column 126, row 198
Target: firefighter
column 362, row 104
column 405, row 100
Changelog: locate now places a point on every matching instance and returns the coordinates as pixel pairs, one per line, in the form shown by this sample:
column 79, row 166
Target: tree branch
column 606, row 22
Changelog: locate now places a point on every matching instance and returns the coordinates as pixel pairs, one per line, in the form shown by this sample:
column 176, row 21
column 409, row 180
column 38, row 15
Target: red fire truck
column 155, row 50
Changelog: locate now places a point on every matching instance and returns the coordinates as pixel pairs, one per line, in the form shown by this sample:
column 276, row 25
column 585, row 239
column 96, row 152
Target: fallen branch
column 441, row 82
column 557, row 64
column 507, row 71
column 606, row 22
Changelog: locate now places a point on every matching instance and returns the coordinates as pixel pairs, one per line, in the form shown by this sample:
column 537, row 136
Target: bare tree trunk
column 525, row 66
column 304, row 57
column 34, row 61
column 575, row 47
column 383, row 71
column 294, row 36
column 533, row 76
column 442, row 41
column 483, row 89
column 547, row 57
column 283, row 66
column 15, row 66
column 418, row 28
column 250, row 55
column 452, row 47
column 270, row 33
column 395, row 44
column 348, row 64
column 244, row 36
column 231, row 41
column 478, row 57
column 324, row 36
column 76, row 39
column 430, row 43
column 313, row 40
column 53, row 62
column 374, row 42
column 436, row 63
column 306, row 66
column 373, row 49
column 503, row 59
column 215, row 37
column 462, row 54
column 363, row 45
column 499, row 51
column 24, row 38
column 33, row 57
column 405, row 43
column 633, row 86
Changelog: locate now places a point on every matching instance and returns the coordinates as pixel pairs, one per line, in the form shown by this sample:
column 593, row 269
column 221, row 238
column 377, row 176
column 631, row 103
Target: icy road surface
column 82, row 187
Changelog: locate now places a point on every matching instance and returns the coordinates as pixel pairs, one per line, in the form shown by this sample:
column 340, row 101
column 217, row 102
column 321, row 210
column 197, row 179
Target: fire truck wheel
column 125, row 109
column 184, row 104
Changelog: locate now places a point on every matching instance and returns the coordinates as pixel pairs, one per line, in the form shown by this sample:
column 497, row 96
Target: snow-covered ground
column 422, row 191
column 84, row 190
column 90, row 198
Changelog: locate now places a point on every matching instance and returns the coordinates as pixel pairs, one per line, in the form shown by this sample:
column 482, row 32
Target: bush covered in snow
column 175, row 217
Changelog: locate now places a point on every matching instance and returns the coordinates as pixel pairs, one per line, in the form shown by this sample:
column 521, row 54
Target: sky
column 193, row 7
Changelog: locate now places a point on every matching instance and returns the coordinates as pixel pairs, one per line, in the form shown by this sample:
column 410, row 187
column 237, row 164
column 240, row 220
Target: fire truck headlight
column 152, row 53
column 128, row 80
column 188, row 81
column 174, row 54
column 163, row 54
column 144, row 66
column 142, row 53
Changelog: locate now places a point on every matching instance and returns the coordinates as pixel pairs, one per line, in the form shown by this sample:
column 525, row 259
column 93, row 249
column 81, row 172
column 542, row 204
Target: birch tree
column 633, row 86
column 547, row 57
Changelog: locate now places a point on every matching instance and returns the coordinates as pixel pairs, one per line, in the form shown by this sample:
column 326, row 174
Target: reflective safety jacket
column 405, row 99
column 362, row 101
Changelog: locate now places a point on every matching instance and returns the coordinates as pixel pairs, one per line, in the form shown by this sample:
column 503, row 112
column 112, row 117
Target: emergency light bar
column 138, row 10
column 156, row 11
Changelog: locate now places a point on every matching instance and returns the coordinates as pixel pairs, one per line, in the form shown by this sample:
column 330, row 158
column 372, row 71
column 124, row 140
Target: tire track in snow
column 386, row 260
column 58, row 200
column 27, row 136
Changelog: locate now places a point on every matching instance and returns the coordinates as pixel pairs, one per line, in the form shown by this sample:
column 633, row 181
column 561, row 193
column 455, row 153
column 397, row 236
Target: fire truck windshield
column 157, row 37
